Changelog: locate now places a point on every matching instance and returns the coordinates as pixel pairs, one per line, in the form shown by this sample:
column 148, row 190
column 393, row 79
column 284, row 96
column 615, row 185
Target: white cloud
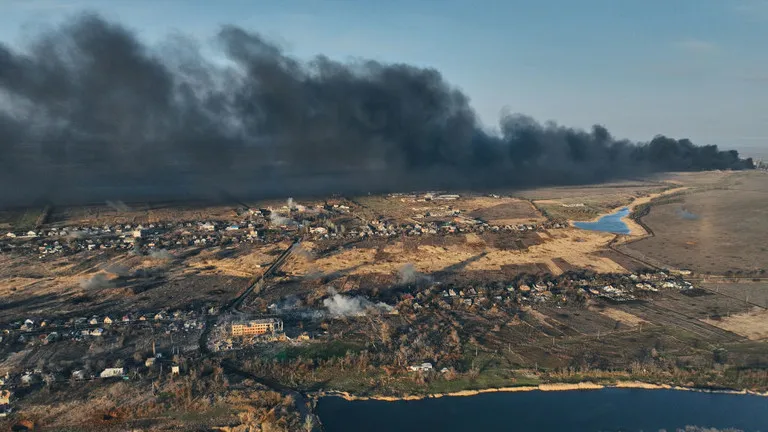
column 696, row 46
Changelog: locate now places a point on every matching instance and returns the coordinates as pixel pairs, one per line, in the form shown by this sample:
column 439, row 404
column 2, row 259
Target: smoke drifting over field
column 87, row 112
column 96, row 282
column 340, row 305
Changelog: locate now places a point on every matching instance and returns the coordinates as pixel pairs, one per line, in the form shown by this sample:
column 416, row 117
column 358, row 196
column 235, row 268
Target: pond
column 611, row 223
column 604, row 410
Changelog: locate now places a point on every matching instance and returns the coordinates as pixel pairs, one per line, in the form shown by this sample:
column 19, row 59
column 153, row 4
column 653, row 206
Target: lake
column 565, row 411
column 611, row 223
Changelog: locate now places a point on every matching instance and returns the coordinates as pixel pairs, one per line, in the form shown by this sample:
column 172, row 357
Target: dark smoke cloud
column 89, row 113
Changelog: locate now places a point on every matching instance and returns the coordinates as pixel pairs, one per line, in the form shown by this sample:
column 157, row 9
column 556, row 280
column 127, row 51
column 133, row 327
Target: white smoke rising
column 76, row 235
column 161, row 254
column 304, row 253
column 95, row 282
column 407, row 274
column 340, row 305
column 278, row 220
column 118, row 206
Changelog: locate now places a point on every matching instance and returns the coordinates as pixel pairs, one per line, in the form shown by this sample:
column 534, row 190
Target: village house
column 424, row 367
column 112, row 372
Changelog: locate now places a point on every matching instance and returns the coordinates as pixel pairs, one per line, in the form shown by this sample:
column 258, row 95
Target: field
column 106, row 282
column 720, row 225
column 588, row 202
column 496, row 211
column 470, row 252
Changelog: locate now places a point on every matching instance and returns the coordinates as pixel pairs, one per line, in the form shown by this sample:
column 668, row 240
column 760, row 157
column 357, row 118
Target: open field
column 718, row 229
column 584, row 203
column 496, row 211
column 752, row 324
column 472, row 253
column 102, row 282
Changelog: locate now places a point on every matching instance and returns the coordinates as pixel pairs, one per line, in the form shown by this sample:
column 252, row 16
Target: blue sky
column 684, row 68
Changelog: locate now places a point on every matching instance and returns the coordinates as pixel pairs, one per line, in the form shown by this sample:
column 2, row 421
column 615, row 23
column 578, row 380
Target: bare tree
column 309, row 424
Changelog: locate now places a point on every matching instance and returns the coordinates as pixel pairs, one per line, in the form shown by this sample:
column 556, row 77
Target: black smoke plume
column 89, row 113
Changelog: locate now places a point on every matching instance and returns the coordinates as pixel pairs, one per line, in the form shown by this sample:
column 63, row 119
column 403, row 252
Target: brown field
column 498, row 211
column 138, row 213
column 475, row 254
column 622, row 316
column 60, row 287
column 510, row 212
column 753, row 293
column 596, row 200
column 752, row 324
column 714, row 229
column 696, row 179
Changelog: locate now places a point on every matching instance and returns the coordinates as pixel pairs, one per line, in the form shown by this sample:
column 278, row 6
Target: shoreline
column 635, row 230
column 550, row 387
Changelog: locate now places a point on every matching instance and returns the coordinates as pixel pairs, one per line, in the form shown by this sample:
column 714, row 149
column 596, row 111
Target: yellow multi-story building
column 257, row 327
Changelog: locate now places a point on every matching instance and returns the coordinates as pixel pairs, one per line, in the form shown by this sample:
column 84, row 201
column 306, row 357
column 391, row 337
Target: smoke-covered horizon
column 90, row 113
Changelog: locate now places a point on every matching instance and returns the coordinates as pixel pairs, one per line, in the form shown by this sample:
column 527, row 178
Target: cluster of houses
column 266, row 225
column 551, row 289
column 262, row 225
column 35, row 376
column 42, row 331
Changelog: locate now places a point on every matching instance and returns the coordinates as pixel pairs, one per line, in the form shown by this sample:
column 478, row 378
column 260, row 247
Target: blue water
column 611, row 223
column 625, row 410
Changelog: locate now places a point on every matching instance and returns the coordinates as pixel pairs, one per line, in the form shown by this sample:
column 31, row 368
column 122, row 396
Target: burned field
column 719, row 228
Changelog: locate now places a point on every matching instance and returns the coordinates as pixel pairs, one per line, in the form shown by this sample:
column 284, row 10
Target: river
column 611, row 223
column 557, row 411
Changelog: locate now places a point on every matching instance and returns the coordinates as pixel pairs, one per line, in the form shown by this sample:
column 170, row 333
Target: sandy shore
column 540, row 387
column 634, row 228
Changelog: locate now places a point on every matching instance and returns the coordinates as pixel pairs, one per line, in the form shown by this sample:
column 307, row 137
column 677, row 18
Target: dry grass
column 248, row 265
column 753, row 325
column 724, row 229
column 622, row 316
column 498, row 211
column 574, row 246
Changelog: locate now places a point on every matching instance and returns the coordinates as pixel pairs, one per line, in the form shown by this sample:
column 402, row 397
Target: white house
column 424, row 367
column 112, row 372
